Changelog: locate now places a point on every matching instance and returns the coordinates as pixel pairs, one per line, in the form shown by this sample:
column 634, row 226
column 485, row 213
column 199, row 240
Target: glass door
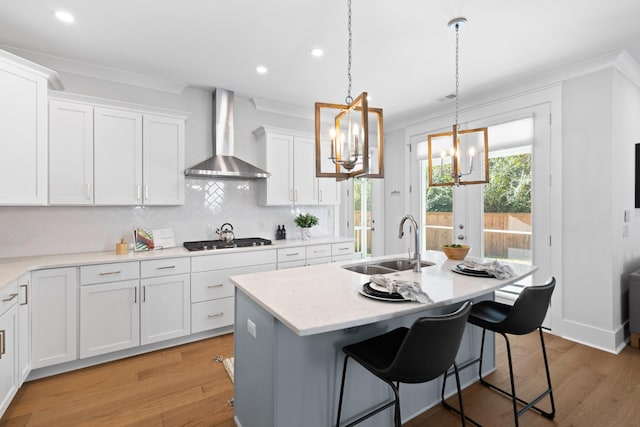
column 507, row 219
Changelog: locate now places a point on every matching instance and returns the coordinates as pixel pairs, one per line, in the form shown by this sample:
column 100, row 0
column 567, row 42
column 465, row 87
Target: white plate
column 474, row 273
column 382, row 298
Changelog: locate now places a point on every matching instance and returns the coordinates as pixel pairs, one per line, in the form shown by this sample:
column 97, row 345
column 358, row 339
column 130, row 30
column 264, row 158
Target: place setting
column 491, row 269
column 384, row 288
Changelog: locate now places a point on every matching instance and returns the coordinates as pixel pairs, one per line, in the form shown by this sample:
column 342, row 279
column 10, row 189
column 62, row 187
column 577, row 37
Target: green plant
column 454, row 245
column 306, row 220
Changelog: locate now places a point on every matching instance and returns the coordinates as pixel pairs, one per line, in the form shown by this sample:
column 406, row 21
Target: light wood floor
column 182, row 386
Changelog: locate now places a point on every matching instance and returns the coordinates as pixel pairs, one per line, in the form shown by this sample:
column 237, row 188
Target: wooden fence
column 505, row 234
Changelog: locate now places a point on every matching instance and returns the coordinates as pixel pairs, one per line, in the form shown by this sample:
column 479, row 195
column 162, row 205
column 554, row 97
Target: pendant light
column 453, row 155
column 349, row 136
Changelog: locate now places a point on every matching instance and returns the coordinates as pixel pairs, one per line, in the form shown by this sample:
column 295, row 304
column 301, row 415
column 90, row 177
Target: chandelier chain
column 457, row 69
column 349, row 99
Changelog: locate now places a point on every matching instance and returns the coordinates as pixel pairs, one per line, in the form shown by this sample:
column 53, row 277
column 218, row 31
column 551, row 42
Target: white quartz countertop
column 13, row 268
column 322, row 298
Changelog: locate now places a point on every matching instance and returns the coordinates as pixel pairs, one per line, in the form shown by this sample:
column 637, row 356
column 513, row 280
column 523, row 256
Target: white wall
column 395, row 191
column 208, row 203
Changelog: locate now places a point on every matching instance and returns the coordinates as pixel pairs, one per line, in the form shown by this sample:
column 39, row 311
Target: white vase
column 305, row 232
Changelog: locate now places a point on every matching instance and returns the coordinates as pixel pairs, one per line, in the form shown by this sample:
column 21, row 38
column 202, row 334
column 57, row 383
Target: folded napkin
column 409, row 290
column 497, row 270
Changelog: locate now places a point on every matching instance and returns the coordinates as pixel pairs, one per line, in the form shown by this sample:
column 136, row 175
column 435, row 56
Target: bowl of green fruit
column 456, row 251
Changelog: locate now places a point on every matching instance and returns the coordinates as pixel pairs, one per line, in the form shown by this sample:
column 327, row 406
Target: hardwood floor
column 180, row 386
column 183, row 386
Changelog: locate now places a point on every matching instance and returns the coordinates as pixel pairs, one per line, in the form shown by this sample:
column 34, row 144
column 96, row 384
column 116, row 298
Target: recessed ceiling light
column 64, row 16
column 317, row 52
column 261, row 69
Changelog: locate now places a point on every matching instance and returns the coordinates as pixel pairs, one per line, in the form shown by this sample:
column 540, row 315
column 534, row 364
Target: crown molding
column 100, row 72
column 49, row 74
column 284, row 109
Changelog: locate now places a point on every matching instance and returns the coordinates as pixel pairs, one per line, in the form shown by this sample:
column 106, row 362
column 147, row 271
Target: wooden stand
column 635, row 340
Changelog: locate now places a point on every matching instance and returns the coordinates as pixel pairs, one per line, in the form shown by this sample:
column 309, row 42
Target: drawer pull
column 293, row 254
column 26, row 294
column 343, row 249
column 166, row 267
column 3, row 349
column 108, row 273
column 211, row 316
column 11, row 296
column 218, row 285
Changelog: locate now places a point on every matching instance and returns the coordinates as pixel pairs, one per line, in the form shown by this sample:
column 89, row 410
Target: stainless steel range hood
column 224, row 164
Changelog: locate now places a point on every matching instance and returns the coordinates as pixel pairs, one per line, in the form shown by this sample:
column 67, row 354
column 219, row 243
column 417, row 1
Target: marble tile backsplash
column 46, row 230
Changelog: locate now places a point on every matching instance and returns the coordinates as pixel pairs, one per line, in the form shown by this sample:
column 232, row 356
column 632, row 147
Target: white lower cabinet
column 212, row 293
column 165, row 310
column 131, row 311
column 109, row 317
column 24, row 327
column 9, row 375
column 54, row 312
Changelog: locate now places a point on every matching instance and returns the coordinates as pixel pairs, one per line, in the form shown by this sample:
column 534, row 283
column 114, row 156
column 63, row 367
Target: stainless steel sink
column 369, row 269
column 385, row 266
column 402, row 264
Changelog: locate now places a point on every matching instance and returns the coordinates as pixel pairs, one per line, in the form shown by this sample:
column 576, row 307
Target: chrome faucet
column 416, row 235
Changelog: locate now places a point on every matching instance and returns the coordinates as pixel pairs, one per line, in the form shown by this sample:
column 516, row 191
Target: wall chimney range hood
column 224, row 164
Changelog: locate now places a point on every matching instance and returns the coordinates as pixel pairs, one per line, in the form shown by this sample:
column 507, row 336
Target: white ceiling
column 403, row 51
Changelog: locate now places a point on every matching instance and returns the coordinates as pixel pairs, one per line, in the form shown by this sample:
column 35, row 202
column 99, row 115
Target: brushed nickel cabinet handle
column 217, row 285
column 146, row 192
column 108, row 273
column 138, row 192
column 320, row 195
column 88, row 187
column 293, row 254
column 343, row 249
column 210, row 316
column 166, row 267
column 11, row 296
column 135, row 295
column 3, row 349
column 26, row 294
column 144, row 294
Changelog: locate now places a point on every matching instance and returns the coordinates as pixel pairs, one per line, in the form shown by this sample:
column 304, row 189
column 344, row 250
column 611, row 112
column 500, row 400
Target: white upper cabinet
column 114, row 156
column 118, row 154
column 289, row 157
column 163, row 160
column 23, row 131
column 70, row 153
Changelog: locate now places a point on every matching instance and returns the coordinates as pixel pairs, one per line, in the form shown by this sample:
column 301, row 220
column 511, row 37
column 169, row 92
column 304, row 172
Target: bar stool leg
column 551, row 414
column 344, row 372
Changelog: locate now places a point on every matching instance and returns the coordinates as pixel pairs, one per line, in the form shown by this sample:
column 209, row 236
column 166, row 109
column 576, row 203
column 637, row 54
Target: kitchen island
column 291, row 325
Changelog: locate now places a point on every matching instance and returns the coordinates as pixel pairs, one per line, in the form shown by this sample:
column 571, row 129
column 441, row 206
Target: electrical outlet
column 251, row 328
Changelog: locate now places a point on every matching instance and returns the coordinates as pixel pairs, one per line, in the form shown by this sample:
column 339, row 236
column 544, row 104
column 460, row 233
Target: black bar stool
column 525, row 316
column 415, row 355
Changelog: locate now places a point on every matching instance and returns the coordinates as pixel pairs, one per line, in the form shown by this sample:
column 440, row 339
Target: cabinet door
column 8, row 357
column 304, row 172
column 165, row 310
column 23, row 136
column 109, row 317
column 24, row 327
column 54, row 311
column 163, row 160
column 277, row 190
column 118, row 148
column 70, row 153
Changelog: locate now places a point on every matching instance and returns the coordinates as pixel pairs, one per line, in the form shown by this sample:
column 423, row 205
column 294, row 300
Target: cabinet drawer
column 208, row 285
column 114, row 272
column 212, row 314
column 321, row 260
column 291, row 264
column 318, row 251
column 341, row 248
column 342, row 258
column 291, row 254
column 8, row 296
column 165, row 267
column 232, row 260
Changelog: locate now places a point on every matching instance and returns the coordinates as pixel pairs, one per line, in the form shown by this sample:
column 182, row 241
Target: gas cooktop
column 219, row 244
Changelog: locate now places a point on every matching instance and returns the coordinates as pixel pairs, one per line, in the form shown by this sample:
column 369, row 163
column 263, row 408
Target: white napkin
column 497, row 270
column 409, row 290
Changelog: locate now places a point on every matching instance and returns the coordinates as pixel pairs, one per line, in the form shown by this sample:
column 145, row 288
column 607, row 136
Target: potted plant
column 305, row 222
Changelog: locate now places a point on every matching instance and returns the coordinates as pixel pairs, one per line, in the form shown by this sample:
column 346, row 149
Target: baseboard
column 612, row 341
